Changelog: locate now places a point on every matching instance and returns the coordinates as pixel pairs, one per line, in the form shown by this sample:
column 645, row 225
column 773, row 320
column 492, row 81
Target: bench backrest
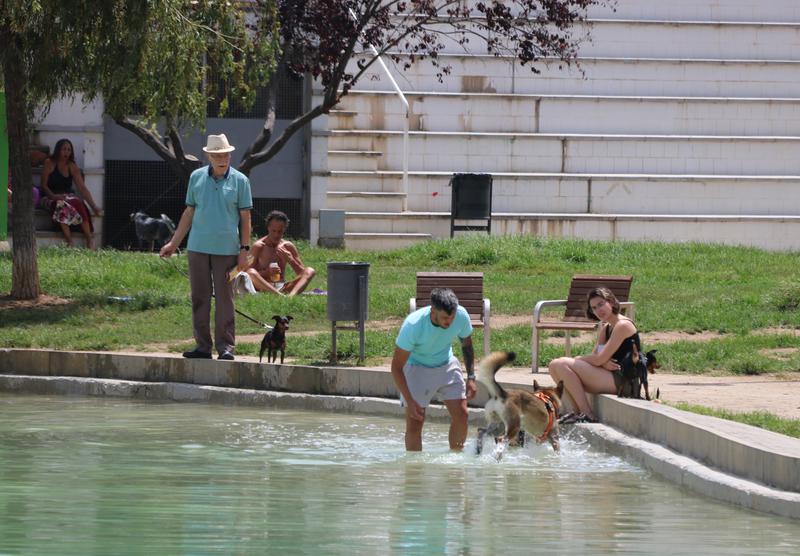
column 583, row 283
column 468, row 287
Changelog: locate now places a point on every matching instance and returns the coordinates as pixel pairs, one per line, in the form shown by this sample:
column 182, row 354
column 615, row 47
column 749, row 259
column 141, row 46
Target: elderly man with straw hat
column 218, row 204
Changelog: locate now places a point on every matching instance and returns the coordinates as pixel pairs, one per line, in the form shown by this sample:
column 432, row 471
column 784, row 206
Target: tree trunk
column 25, row 273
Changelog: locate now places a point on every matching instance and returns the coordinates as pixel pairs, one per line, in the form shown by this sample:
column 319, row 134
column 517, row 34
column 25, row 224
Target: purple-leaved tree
column 320, row 37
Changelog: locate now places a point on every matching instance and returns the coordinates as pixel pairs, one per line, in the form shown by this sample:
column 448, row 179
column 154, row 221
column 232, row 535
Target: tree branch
column 254, row 160
column 154, row 141
column 265, row 134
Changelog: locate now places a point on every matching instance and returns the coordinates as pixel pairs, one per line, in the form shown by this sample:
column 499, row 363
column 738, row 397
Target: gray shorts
column 445, row 382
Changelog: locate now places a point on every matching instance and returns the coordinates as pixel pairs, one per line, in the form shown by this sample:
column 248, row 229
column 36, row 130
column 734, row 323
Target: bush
column 787, row 297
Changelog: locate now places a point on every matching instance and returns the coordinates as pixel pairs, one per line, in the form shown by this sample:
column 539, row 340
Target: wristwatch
column 470, row 376
column 244, row 247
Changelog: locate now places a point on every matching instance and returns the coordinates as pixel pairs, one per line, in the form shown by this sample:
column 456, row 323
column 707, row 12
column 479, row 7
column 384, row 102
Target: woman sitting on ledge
column 65, row 207
column 594, row 373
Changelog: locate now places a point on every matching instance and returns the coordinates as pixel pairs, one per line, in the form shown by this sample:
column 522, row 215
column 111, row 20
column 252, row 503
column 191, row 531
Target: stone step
column 46, row 239
column 600, row 76
column 365, row 201
column 778, row 233
column 341, row 112
column 587, row 193
column 692, row 10
column 340, row 119
column 613, row 36
column 578, row 153
column 43, row 222
column 381, row 241
column 709, row 39
column 486, row 112
column 354, row 159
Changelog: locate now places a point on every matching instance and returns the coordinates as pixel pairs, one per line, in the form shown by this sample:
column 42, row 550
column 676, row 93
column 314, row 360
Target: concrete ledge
column 749, row 452
column 695, row 476
column 179, row 392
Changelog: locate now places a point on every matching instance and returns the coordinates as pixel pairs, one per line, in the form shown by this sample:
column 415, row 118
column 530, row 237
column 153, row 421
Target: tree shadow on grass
column 45, row 309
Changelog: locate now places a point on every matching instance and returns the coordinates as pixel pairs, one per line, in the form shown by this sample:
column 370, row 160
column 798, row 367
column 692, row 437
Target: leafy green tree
column 333, row 42
column 51, row 49
column 186, row 54
column 152, row 55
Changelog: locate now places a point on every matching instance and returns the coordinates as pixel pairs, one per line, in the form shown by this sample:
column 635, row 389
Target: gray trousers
column 206, row 271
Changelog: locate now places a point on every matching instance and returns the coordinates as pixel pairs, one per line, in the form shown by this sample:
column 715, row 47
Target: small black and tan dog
column 156, row 231
column 275, row 340
column 634, row 370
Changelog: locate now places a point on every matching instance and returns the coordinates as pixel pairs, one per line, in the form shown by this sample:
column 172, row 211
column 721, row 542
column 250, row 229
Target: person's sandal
column 568, row 419
column 572, row 418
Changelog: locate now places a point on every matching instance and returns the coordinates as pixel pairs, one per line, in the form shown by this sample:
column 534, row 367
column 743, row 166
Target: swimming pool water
column 106, row 476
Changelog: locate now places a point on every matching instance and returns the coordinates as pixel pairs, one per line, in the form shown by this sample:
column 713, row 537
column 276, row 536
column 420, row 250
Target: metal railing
column 404, row 100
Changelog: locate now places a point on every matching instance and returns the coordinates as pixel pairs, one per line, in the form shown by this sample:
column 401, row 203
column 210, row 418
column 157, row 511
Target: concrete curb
column 693, row 475
column 179, row 392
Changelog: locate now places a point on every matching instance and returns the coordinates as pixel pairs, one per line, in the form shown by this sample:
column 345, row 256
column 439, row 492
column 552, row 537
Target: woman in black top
column 594, row 373
column 68, row 209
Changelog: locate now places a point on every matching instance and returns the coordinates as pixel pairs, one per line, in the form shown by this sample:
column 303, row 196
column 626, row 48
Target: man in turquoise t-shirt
column 218, row 204
column 423, row 366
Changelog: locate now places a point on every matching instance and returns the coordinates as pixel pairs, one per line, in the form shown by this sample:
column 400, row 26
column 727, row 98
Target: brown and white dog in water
column 535, row 412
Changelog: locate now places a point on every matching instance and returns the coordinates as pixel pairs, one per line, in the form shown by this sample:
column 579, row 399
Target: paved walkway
column 778, row 394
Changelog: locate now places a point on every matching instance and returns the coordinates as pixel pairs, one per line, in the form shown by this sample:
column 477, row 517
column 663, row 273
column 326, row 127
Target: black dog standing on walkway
column 275, row 339
column 156, row 231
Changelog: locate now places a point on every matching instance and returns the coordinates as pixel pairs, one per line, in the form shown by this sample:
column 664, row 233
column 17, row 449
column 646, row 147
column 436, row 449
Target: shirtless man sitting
column 272, row 248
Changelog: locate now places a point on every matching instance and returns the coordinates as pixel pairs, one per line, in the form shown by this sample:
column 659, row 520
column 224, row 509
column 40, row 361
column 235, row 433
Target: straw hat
column 218, row 144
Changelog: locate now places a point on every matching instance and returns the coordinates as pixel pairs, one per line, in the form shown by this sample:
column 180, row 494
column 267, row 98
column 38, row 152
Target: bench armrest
column 629, row 308
column 537, row 311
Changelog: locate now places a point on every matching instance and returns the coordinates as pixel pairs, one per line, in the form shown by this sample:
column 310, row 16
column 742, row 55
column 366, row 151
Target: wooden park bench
column 575, row 318
column 468, row 287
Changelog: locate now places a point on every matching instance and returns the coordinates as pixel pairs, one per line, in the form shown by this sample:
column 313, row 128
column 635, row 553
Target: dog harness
column 551, row 415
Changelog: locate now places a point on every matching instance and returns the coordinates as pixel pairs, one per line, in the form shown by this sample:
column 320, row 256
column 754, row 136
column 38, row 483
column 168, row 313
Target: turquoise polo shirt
column 216, row 203
column 431, row 346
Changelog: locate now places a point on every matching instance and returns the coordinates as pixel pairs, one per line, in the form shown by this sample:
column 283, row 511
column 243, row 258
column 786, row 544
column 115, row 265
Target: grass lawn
column 760, row 419
column 749, row 296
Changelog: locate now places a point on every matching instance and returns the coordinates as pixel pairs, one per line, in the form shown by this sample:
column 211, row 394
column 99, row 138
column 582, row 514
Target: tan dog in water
column 535, row 412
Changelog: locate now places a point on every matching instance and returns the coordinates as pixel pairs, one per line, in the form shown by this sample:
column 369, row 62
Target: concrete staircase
column 681, row 124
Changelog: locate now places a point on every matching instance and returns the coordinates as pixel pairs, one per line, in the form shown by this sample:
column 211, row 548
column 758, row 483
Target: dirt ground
column 778, row 394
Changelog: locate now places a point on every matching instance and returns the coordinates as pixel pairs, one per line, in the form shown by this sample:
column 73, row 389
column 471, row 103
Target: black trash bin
column 471, row 200
column 348, row 286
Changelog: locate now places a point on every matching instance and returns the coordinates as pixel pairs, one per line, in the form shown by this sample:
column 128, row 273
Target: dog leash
column 238, row 312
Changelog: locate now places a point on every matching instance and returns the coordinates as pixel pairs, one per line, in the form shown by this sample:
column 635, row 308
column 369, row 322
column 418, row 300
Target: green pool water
column 99, row 476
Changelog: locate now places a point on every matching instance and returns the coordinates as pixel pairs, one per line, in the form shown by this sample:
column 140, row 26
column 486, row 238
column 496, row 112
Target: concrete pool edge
column 693, row 475
column 757, row 457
